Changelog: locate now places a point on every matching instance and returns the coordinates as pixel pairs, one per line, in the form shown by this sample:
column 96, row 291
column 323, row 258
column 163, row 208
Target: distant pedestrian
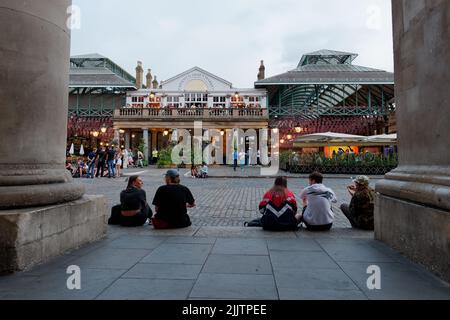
column 118, row 161
column 91, row 164
column 110, row 158
column 100, row 160
column 125, row 158
column 235, row 159
column 242, row 160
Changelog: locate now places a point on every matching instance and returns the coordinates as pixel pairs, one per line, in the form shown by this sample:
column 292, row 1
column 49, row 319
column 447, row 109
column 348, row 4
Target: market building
column 153, row 115
column 97, row 86
column 327, row 92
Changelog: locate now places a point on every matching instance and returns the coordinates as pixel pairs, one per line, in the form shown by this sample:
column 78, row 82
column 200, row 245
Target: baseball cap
column 172, row 173
column 362, row 180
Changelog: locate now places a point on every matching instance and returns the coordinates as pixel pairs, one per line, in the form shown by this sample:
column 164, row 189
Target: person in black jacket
column 171, row 202
column 133, row 210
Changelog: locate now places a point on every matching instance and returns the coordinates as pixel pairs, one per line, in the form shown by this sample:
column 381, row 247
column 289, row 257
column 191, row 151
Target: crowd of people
column 105, row 162
column 279, row 207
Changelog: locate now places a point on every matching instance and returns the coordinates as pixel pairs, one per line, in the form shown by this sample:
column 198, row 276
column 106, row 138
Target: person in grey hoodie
column 317, row 200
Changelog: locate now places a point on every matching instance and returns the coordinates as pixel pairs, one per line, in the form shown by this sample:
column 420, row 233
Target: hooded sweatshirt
column 319, row 200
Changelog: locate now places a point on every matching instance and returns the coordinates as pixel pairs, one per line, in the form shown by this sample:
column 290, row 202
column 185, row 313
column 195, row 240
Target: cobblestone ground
column 220, row 201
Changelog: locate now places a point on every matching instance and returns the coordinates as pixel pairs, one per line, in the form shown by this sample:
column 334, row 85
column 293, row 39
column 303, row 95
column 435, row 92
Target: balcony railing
column 191, row 114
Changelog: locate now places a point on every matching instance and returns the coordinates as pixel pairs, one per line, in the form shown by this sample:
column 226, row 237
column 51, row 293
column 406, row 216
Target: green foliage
column 165, row 157
column 352, row 163
column 141, row 145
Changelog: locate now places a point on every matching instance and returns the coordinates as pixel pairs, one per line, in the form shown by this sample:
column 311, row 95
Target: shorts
column 119, row 162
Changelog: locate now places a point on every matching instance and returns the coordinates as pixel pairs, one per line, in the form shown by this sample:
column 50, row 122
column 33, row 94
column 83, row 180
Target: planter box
column 367, row 170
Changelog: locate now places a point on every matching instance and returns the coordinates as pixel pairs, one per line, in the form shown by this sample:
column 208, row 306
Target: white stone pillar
column 146, row 147
column 34, row 69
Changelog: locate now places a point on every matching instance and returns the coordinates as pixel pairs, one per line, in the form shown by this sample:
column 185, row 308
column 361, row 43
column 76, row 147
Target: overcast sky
column 230, row 37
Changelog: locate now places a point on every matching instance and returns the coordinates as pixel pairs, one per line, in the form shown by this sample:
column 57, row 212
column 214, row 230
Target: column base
column 420, row 232
column 34, row 235
column 39, row 195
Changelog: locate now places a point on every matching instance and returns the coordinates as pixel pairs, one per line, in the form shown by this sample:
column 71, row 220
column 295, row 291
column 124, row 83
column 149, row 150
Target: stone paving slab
column 313, row 279
column 237, row 263
column 167, row 271
column 148, row 289
column 133, row 263
column 235, row 286
column 179, row 253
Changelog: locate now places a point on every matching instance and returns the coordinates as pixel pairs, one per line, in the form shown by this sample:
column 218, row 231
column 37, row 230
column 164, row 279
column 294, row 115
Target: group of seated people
column 280, row 211
column 279, row 208
column 79, row 169
column 171, row 202
column 199, row 171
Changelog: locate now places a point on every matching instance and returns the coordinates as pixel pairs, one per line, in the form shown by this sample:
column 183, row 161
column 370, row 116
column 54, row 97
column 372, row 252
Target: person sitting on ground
column 317, row 200
column 69, row 167
column 171, row 202
column 81, row 168
column 194, row 172
column 204, row 171
column 133, row 210
column 279, row 208
column 360, row 210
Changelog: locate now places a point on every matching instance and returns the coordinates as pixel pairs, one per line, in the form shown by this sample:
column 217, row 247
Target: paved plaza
column 217, row 258
column 228, row 263
column 228, row 198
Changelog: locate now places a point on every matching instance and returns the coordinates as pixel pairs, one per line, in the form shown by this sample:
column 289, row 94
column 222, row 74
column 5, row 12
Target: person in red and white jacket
column 279, row 208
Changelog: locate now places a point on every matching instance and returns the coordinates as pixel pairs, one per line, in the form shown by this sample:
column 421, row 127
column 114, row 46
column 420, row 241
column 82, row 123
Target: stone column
column 154, row 139
column 117, row 136
column 54, row 217
column 34, row 76
column 146, row 148
column 413, row 207
column 127, row 139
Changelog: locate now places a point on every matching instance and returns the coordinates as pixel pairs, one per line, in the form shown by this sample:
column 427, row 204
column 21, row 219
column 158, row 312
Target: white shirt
column 319, row 199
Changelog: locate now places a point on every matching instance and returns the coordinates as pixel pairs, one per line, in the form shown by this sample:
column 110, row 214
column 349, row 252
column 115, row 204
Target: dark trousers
column 133, row 221
column 345, row 208
column 100, row 168
column 235, row 164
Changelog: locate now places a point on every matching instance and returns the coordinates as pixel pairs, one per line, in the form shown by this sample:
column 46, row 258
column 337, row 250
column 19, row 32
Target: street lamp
column 95, row 134
column 298, row 128
column 121, row 131
column 289, row 136
column 103, row 129
column 166, row 133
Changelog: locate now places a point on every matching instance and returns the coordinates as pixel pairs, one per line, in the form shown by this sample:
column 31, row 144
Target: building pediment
column 196, row 80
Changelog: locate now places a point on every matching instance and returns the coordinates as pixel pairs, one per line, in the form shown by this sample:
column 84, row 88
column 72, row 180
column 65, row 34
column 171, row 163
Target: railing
column 191, row 113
